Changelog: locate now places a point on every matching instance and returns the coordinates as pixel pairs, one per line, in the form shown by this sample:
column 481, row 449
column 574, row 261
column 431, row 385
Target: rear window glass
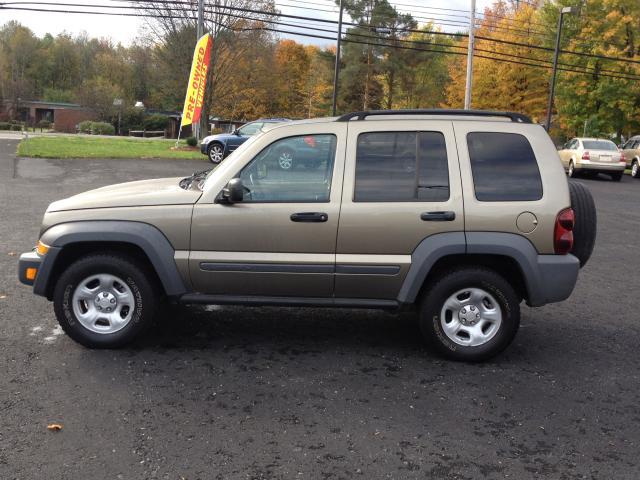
column 504, row 167
column 599, row 145
column 401, row 167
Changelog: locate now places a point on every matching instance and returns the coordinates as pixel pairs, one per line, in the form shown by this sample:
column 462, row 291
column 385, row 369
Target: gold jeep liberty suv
column 459, row 214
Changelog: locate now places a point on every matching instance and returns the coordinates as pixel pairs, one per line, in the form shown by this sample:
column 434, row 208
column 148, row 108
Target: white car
column 592, row 155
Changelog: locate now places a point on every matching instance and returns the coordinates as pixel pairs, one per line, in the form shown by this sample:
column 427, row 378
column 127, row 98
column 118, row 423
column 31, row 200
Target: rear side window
column 504, row 167
column 401, row 167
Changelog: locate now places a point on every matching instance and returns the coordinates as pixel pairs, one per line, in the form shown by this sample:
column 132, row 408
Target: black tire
column 571, row 172
column 616, row 177
column 635, row 169
column 215, row 153
column 137, row 278
column 586, row 227
column 450, row 283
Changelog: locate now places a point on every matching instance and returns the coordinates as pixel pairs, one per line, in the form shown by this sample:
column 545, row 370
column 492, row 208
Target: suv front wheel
column 470, row 314
column 104, row 300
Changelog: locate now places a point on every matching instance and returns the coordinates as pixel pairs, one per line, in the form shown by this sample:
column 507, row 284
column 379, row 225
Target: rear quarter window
column 504, row 167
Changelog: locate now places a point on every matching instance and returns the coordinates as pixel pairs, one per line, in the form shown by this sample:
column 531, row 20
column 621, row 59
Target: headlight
column 41, row 248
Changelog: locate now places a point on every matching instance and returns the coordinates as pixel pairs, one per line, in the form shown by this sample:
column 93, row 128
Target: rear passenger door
column 401, row 185
column 504, row 191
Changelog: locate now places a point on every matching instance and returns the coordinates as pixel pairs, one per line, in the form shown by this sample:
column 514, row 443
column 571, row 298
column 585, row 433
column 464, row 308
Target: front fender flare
column 148, row 238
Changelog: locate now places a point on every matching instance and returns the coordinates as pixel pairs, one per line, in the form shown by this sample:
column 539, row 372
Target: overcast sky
column 126, row 29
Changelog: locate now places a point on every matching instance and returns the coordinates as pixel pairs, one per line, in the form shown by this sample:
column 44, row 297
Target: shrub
column 156, row 122
column 5, row 126
column 85, row 127
column 16, row 127
column 192, row 141
column 102, row 128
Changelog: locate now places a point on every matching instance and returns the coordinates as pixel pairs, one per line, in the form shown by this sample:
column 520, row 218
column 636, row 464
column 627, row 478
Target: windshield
column 599, row 145
column 250, row 129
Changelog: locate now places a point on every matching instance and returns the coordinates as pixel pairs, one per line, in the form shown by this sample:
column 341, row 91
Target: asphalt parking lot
column 275, row 393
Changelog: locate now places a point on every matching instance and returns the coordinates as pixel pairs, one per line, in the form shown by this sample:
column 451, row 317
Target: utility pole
column 337, row 67
column 554, row 71
column 472, row 27
column 200, row 30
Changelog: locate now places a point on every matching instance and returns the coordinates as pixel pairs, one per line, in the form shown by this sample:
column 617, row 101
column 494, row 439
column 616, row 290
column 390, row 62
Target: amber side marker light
column 31, row 273
column 41, row 248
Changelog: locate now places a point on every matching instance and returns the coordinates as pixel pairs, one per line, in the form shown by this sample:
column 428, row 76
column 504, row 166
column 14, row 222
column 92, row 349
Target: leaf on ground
column 54, row 427
column 2, row 296
column 12, row 254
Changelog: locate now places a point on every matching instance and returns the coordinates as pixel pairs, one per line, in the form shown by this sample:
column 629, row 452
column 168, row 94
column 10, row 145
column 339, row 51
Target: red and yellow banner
column 197, row 81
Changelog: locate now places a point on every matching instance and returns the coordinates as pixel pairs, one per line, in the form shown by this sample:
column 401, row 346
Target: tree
column 594, row 103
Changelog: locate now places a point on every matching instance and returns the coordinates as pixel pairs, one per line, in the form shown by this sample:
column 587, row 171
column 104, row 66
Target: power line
column 572, row 68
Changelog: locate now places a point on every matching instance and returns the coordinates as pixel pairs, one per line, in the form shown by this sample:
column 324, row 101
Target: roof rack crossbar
column 515, row 117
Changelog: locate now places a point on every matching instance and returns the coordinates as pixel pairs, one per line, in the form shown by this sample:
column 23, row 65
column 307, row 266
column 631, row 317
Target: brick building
column 64, row 116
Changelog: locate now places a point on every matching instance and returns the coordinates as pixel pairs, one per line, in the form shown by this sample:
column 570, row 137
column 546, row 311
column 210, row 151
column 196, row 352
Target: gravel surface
column 287, row 393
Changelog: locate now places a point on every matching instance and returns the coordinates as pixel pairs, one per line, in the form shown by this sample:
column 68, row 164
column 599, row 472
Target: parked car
column 592, row 156
column 631, row 151
column 217, row 147
column 460, row 215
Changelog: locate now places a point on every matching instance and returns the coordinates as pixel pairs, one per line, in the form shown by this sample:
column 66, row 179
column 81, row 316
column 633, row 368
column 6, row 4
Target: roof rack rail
column 515, row 117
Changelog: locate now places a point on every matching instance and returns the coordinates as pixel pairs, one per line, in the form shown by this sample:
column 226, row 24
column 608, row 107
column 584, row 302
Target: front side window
column 250, row 129
column 292, row 169
column 401, row 167
column 504, row 167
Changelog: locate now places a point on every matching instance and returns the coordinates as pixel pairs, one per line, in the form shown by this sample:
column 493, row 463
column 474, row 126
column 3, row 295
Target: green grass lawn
column 90, row 147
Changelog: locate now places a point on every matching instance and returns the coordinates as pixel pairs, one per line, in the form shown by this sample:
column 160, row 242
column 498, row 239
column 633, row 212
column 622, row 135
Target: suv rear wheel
column 104, row 300
column 470, row 314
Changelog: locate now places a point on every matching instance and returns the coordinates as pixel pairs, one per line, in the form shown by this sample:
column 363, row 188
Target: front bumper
column 203, row 148
column 27, row 261
column 43, row 265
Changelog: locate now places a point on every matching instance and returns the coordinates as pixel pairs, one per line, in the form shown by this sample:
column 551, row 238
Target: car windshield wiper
column 194, row 177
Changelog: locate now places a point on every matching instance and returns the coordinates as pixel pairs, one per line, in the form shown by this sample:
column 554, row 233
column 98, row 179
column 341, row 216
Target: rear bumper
column 601, row 167
column 556, row 278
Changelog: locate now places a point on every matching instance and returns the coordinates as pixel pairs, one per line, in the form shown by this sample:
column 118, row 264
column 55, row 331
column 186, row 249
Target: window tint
column 401, row 167
column 504, row 167
column 293, row 169
column 599, row 145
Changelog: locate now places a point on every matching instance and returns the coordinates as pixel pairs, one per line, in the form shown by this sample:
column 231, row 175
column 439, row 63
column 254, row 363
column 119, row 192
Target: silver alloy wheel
column 103, row 303
column 215, row 153
column 634, row 169
column 471, row 317
column 571, row 169
column 285, row 160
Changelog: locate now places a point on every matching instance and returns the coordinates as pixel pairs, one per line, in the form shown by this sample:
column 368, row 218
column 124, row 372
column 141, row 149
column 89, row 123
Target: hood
column 221, row 137
column 161, row 191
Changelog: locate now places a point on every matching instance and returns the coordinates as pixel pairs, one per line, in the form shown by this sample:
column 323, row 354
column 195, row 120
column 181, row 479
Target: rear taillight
column 585, row 156
column 563, row 232
column 623, row 159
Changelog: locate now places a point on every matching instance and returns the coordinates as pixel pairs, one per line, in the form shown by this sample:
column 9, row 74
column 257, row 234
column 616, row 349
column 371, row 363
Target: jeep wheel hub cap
column 471, row 317
column 103, row 303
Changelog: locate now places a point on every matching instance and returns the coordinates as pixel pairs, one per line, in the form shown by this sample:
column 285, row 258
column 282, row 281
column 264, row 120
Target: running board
column 254, row 300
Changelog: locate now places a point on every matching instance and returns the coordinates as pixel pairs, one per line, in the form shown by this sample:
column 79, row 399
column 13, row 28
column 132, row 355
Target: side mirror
column 234, row 191
column 236, row 132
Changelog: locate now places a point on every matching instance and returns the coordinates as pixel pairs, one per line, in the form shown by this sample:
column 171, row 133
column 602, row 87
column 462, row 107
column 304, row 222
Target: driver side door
column 280, row 240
